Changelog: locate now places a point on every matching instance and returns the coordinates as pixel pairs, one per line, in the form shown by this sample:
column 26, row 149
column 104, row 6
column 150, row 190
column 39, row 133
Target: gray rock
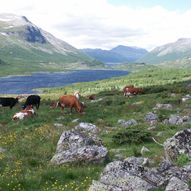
column 88, row 127
column 175, row 184
column 180, row 143
column 75, row 120
column 131, row 122
column 127, row 175
column 163, row 106
column 79, row 145
column 58, row 125
column 186, row 97
column 175, row 120
column 2, row 150
column 150, row 117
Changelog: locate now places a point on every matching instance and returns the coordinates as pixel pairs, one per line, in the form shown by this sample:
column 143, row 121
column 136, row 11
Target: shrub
column 136, row 136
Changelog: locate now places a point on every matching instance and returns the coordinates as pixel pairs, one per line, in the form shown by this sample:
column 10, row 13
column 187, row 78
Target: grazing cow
column 132, row 91
column 8, row 101
column 27, row 112
column 70, row 101
column 33, row 100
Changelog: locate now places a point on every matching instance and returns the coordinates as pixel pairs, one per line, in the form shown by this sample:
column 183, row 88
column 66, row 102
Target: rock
column 79, row 145
column 75, row 120
column 164, row 165
column 127, row 175
column 144, row 150
column 175, row 120
column 150, row 117
column 186, row 97
column 58, row 125
column 175, row 184
column 88, row 127
column 163, row 106
column 132, row 174
column 60, row 118
column 2, row 150
column 180, row 143
column 131, row 122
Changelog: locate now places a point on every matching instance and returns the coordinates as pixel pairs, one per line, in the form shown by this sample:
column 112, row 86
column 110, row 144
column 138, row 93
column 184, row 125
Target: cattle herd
column 65, row 101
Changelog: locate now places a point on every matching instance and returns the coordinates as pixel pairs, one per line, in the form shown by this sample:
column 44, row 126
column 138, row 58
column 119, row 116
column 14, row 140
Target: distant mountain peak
column 170, row 52
column 118, row 54
column 23, row 42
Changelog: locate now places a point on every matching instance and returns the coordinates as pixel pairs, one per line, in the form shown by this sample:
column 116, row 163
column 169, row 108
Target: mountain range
column 24, row 46
column 176, row 53
column 119, row 54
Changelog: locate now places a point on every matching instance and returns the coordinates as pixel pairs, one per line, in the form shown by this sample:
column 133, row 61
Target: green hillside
column 27, row 146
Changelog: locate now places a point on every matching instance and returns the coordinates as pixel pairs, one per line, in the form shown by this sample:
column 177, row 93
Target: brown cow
column 125, row 88
column 132, row 91
column 70, row 101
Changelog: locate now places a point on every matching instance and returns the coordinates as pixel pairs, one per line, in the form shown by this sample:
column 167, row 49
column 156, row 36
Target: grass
column 31, row 143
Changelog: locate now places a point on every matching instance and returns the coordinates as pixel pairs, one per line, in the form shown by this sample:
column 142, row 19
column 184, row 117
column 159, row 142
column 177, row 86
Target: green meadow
column 27, row 146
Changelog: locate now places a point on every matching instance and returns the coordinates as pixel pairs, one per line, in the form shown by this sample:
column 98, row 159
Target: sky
column 108, row 23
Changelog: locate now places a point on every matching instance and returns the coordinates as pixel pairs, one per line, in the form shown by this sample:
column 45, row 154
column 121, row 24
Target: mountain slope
column 172, row 52
column 118, row 54
column 24, row 45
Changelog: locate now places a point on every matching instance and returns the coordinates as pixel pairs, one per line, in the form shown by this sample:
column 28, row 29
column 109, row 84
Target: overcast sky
column 108, row 23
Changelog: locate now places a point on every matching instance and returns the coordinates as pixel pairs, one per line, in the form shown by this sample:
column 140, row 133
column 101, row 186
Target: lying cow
column 8, row 101
column 132, row 91
column 33, row 100
column 27, row 112
column 69, row 101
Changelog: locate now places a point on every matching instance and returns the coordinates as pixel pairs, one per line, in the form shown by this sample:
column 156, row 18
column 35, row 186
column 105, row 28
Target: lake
column 26, row 84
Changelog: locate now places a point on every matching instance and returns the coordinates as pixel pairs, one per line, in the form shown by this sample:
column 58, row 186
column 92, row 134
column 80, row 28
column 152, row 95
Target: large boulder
column 129, row 174
column 179, row 144
column 79, row 145
column 135, row 175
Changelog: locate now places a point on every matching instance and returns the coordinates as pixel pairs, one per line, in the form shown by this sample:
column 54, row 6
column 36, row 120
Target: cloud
column 98, row 24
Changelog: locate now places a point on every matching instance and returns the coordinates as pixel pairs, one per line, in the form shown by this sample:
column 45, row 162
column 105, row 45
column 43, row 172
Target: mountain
column 25, row 47
column 176, row 52
column 118, row 54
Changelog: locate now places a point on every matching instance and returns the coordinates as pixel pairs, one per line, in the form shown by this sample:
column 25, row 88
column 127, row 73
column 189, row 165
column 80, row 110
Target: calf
column 8, row 101
column 27, row 112
column 33, row 100
column 70, row 101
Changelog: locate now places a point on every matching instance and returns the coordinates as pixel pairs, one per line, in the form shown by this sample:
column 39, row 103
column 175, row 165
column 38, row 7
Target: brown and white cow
column 131, row 90
column 27, row 112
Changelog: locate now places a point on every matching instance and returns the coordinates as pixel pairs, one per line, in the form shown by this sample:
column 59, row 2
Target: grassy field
column 30, row 144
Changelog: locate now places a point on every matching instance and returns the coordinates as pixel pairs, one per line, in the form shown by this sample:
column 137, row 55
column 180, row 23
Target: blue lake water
column 26, row 84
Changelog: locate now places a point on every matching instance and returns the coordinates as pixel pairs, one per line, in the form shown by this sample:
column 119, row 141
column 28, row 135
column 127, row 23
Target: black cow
column 33, row 100
column 8, row 101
